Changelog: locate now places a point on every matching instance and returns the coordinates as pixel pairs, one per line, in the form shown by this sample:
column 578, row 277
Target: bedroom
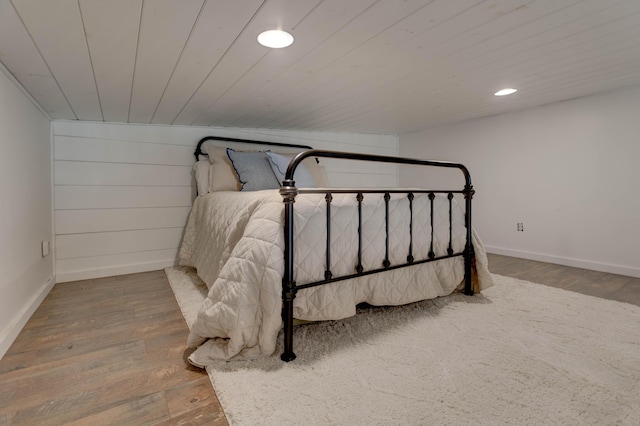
column 560, row 169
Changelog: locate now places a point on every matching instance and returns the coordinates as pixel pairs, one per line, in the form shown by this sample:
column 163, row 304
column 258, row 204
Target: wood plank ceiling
column 373, row 66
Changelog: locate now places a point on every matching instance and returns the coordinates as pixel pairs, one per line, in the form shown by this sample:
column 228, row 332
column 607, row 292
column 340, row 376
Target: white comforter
column 236, row 242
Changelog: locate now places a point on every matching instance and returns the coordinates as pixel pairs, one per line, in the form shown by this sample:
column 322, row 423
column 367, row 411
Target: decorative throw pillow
column 302, row 176
column 253, row 170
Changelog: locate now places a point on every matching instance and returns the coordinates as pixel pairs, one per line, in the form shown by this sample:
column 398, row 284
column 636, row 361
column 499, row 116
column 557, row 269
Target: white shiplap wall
column 123, row 192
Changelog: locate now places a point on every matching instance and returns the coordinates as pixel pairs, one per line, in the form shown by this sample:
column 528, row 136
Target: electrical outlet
column 45, row 248
column 520, row 226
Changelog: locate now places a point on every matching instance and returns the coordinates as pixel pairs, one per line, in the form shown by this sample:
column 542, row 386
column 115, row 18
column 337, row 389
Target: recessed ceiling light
column 505, row 92
column 275, row 39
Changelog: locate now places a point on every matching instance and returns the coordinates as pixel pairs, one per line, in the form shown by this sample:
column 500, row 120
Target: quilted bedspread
column 235, row 241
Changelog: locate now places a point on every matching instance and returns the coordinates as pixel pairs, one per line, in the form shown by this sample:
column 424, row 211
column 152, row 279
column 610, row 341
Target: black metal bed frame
column 289, row 192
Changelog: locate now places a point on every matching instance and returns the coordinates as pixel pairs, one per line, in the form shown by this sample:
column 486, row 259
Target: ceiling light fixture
column 276, row 39
column 505, row 92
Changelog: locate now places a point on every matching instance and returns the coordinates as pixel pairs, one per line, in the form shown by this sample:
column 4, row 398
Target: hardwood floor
column 106, row 351
column 594, row 283
column 112, row 350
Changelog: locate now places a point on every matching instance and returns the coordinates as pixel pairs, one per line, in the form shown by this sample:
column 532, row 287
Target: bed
column 270, row 252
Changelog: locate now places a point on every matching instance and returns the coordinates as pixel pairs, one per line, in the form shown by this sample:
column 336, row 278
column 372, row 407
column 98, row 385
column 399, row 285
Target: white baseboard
column 567, row 261
column 87, row 274
column 10, row 333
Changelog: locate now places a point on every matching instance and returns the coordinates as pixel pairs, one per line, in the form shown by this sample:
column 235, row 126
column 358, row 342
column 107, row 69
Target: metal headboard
column 199, row 152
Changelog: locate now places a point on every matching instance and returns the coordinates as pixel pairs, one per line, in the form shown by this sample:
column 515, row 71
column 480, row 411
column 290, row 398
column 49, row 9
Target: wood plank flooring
column 594, row 283
column 106, row 351
column 112, row 350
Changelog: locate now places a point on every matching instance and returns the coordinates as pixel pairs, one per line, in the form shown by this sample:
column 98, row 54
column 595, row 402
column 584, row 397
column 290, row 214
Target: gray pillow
column 279, row 164
column 253, row 170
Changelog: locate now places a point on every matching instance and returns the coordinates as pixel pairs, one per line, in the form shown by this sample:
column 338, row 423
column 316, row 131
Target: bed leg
column 287, row 316
column 288, row 192
column 468, row 270
column 469, row 252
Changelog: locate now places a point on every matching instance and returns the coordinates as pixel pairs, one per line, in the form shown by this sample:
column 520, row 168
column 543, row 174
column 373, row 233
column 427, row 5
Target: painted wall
column 123, row 191
column 26, row 219
column 567, row 171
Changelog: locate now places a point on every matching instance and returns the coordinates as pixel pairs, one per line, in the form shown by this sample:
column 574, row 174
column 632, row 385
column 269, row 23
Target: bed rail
column 289, row 191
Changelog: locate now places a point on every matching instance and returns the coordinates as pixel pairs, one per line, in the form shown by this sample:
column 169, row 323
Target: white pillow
column 201, row 173
column 222, row 176
column 317, row 171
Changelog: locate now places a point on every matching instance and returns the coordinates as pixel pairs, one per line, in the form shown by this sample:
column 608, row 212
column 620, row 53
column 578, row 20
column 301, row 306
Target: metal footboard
column 289, row 192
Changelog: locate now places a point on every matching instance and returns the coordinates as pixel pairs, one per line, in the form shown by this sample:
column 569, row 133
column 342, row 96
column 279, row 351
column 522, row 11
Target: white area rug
column 520, row 353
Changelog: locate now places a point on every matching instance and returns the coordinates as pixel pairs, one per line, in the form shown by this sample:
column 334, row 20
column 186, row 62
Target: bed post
column 469, row 252
column 289, row 289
